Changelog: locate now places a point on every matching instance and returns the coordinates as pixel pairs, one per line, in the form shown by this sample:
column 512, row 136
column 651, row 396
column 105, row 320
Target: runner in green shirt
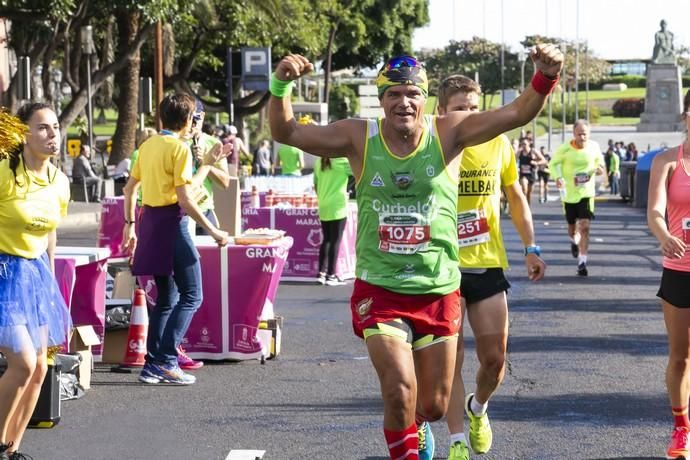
column 406, row 299
column 574, row 164
column 330, row 182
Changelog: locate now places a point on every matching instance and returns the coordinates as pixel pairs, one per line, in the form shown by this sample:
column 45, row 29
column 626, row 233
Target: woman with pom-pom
column 33, row 316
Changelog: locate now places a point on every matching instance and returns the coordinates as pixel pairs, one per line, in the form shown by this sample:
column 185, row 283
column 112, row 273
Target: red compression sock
column 680, row 416
column 403, row 445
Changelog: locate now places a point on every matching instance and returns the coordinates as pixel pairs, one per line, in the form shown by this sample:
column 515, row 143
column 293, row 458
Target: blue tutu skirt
column 33, row 314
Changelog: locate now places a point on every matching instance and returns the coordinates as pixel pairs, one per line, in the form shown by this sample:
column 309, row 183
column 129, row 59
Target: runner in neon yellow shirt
column 574, row 165
column 405, row 302
column 485, row 169
column 330, row 182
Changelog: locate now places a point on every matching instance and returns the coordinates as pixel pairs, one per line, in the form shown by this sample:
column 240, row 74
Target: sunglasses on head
column 402, row 61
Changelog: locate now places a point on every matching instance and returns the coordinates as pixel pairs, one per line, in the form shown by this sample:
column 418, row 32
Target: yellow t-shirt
column 164, row 162
column 484, row 169
column 30, row 209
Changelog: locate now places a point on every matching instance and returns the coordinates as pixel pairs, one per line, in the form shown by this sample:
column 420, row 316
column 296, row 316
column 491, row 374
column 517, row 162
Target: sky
column 613, row 29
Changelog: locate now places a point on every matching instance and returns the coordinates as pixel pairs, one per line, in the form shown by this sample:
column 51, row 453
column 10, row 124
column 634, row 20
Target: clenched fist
column 547, row 58
column 293, row 66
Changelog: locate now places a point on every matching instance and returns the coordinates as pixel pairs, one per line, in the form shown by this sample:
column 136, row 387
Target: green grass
column 617, row 121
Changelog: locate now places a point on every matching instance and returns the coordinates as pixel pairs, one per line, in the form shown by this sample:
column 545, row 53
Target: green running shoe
column 459, row 451
column 481, row 436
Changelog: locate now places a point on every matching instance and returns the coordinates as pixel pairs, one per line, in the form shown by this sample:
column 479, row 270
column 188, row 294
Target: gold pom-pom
column 52, row 351
column 12, row 133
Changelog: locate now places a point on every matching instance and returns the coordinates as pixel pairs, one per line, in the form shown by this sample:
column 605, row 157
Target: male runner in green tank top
column 405, row 302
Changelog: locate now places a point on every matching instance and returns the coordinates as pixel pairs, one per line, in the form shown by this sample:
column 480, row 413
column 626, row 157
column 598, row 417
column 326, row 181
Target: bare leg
column 434, row 367
column 489, row 321
column 13, row 384
column 528, row 193
column 678, row 368
column 27, row 403
column 392, row 359
column 583, row 230
column 456, row 413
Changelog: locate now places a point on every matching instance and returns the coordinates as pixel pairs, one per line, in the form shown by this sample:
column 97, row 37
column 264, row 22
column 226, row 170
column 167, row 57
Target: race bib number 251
column 403, row 234
column 473, row 228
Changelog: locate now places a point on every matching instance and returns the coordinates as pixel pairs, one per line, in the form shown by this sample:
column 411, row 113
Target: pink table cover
column 239, row 287
column 81, row 276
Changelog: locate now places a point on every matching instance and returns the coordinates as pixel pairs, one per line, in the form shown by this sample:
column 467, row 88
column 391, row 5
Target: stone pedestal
column 663, row 103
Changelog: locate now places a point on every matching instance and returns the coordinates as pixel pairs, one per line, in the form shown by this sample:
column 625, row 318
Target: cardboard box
column 123, row 286
column 114, row 346
column 83, row 338
column 228, row 207
column 270, row 335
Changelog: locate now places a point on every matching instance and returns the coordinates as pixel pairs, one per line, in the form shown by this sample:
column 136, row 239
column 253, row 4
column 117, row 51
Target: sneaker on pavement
column 4, row 455
column 678, row 447
column 333, row 280
column 582, row 269
column 19, row 456
column 165, row 373
column 426, row 441
column 574, row 250
column 481, row 435
column 321, row 279
column 185, row 362
column 459, row 451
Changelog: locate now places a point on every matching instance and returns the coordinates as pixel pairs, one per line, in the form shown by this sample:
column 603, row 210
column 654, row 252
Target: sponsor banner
column 304, row 226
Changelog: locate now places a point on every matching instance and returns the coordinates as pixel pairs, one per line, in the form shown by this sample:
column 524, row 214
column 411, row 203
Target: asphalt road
column 585, row 377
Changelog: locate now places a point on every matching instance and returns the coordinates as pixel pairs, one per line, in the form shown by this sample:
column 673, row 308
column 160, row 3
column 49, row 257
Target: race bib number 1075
column 403, row 234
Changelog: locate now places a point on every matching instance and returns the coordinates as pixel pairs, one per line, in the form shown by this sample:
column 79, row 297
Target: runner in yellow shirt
column 484, row 170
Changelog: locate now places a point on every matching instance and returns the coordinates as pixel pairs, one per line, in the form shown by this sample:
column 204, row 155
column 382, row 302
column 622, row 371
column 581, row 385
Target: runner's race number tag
column 473, row 228
column 581, row 179
column 403, row 233
column 685, row 224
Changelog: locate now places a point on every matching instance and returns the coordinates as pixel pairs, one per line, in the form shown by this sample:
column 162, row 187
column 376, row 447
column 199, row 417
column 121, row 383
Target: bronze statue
column 663, row 46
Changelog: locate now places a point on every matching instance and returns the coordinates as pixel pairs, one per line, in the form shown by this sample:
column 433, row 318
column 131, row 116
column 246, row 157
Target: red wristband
column 543, row 84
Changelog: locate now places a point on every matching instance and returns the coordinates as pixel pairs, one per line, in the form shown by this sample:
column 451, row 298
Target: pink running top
column 678, row 210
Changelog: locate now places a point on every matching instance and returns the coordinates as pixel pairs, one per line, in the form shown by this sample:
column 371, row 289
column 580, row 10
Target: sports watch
column 533, row 250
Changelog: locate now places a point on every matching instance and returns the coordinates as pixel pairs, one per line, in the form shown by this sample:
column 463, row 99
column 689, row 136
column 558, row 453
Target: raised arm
column 334, row 140
column 462, row 129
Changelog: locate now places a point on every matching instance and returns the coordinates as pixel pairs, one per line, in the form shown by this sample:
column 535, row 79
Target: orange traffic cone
column 138, row 328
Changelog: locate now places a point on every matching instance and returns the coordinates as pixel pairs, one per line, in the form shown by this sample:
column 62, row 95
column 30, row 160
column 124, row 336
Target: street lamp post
column 88, row 48
column 522, row 59
column 564, row 49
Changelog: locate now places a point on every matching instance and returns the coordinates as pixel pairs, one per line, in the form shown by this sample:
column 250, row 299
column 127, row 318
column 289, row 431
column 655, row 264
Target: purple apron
column 157, row 230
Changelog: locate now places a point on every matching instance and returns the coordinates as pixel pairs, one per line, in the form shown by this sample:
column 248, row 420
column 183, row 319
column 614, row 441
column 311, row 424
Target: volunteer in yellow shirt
column 165, row 249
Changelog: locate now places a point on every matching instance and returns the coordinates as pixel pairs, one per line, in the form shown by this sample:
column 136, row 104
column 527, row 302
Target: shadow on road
column 632, row 344
column 582, row 408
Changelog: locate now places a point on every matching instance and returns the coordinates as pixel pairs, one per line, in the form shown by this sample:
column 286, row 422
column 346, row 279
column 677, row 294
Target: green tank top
column 407, row 208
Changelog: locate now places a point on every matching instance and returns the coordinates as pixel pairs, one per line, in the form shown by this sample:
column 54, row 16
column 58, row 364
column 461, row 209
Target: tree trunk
column 127, row 80
column 329, row 58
